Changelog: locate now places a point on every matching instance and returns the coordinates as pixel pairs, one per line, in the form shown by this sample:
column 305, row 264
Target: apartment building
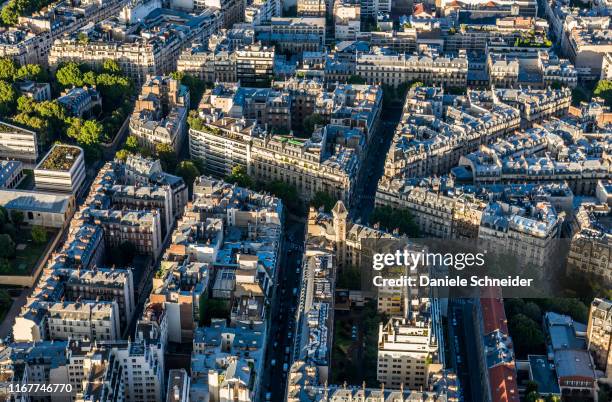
column 178, row 386
column 81, row 102
column 406, row 350
column 147, row 172
column 224, row 142
column 428, row 142
column 294, row 35
column 38, row 91
column 251, row 64
column 567, row 346
column 31, row 41
column 536, row 105
column 529, row 235
column 480, row 8
column 98, row 321
column 586, row 39
column 599, row 335
column 347, row 19
column 154, row 51
column 18, row 143
column 539, row 155
column 62, row 170
column 139, row 228
column 11, row 174
column 314, row 336
column 591, row 245
column 232, row 11
column 304, row 386
column 261, row 11
column 312, row 8
column 391, row 68
column 160, row 114
column 180, row 292
column 346, row 239
column 105, row 284
column 497, row 362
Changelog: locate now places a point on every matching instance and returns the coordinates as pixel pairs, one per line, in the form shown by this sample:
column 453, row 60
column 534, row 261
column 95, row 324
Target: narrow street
column 282, row 323
column 374, row 164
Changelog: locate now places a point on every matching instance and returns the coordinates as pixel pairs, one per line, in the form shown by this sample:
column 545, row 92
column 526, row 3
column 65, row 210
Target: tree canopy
column 240, row 177
column 391, row 219
column 7, row 98
column 323, row 199
column 188, row 171
column 69, row 75
column 604, row 90
column 526, row 335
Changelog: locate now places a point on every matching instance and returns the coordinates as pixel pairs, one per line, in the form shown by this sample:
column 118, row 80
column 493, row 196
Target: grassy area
column 25, row 260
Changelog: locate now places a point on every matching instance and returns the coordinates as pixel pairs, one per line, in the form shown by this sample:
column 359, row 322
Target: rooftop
column 60, row 158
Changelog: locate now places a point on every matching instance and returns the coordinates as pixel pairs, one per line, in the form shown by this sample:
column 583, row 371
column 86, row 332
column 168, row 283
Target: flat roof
column 34, row 201
column 543, row 373
column 61, row 157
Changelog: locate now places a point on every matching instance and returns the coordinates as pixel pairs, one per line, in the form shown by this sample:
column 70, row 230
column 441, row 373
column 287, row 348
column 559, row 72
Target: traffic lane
column 276, row 378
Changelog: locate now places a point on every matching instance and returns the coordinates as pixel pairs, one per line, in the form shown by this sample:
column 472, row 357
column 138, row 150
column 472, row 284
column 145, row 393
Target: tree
column 349, row 277
column 212, row 308
column 240, row 177
column 82, row 38
column 7, row 99
column 323, row 199
column 90, row 133
column 39, row 235
column 114, row 89
column 131, row 144
column 355, row 79
column 167, row 157
column 70, row 75
column 391, row 219
column 533, row 311
column 110, row 66
column 177, row 75
column 9, row 14
column 194, row 121
column 17, row 217
column 568, row 306
column 122, row 154
column 9, row 229
column 526, row 335
column 7, row 246
column 52, row 110
column 604, row 90
column 32, row 72
column 416, row 84
column 531, row 386
column 90, row 78
column 86, row 133
column 25, row 104
column 285, row 192
column 310, row 123
column 8, row 69
column 188, row 171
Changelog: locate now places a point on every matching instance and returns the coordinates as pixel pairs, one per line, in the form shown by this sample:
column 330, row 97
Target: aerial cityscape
column 306, row 201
